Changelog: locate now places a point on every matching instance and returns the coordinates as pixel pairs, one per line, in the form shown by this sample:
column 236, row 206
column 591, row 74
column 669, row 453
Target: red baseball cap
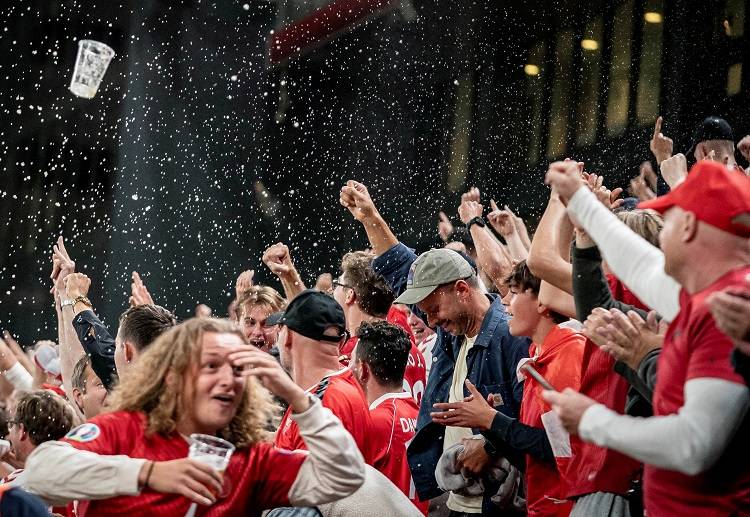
column 716, row 195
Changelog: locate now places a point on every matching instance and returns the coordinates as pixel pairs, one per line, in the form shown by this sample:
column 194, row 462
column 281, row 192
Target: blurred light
column 589, row 44
column 652, row 17
column 531, row 69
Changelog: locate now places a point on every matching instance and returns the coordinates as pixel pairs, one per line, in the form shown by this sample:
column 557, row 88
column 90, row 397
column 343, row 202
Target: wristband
column 475, row 220
column 148, row 474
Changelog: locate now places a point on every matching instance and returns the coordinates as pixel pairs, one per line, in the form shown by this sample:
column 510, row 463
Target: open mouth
column 260, row 343
column 224, row 399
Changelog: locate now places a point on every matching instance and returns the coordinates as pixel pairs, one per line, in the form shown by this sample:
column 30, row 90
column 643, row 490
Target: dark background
column 179, row 171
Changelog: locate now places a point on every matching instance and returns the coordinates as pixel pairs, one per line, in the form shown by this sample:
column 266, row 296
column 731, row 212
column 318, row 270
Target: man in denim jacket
column 473, row 342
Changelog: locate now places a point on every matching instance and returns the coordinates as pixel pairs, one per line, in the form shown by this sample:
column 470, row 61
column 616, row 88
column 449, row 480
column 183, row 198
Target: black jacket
column 98, row 343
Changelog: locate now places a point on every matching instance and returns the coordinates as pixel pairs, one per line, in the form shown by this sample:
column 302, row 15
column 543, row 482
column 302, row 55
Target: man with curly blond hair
column 199, row 377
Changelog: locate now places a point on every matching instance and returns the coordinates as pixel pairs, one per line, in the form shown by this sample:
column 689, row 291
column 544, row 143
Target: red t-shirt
column 695, row 348
column 559, row 362
column 394, row 423
column 415, row 375
column 257, row 478
column 342, row 394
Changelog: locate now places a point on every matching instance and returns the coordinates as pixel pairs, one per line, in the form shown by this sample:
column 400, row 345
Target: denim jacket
column 491, row 368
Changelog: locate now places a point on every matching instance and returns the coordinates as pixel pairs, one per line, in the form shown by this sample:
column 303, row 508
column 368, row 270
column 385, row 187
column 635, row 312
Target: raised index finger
column 657, row 126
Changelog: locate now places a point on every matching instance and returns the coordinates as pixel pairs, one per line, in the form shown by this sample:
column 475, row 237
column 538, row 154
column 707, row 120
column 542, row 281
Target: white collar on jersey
column 386, row 396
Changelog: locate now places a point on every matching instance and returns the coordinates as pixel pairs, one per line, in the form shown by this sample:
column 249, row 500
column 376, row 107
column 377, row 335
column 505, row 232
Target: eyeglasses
column 337, row 283
column 340, row 284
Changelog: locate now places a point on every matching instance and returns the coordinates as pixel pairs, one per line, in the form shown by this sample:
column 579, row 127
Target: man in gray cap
column 473, row 343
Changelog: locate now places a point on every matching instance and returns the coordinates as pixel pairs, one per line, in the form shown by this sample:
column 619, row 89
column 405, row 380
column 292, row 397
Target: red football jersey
column 695, row 348
column 559, row 361
column 394, row 423
column 342, row 394
column 257, row 478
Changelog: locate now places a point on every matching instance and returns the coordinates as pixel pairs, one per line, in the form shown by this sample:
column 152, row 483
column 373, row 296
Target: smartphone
column 537, row 377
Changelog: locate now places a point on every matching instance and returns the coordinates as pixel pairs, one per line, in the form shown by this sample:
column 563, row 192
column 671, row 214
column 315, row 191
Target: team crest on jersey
column 84, row 433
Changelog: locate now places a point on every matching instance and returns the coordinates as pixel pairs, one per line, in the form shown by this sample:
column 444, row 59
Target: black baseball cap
column 311, row 312
column 712, row 128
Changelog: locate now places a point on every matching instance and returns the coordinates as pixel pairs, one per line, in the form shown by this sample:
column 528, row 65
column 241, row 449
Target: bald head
column 696, row 253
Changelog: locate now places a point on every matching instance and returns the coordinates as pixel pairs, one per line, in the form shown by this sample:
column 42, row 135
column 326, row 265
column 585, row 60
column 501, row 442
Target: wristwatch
column 67, row 303
column 476, row 220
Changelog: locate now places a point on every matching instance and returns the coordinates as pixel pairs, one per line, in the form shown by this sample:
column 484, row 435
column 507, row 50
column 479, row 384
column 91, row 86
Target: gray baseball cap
column 431, row 270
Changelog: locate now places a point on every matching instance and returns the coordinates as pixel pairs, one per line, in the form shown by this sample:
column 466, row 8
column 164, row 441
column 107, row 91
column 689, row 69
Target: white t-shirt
column 453, row 435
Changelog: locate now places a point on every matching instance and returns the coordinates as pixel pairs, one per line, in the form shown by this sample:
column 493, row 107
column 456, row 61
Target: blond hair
column 263, row 296
column 646, row 223
column 174, row 354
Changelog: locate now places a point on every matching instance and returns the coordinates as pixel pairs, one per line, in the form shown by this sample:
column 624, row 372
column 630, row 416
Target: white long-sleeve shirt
column 19, row 378
column 334, row 467
column 693, row 439
column 632, row 259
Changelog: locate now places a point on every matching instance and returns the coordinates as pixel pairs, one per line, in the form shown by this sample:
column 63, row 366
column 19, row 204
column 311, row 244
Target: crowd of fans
column 597, row 367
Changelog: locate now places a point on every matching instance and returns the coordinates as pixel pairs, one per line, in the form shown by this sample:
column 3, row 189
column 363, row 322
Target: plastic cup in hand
column 91, row 64
column 212, row 451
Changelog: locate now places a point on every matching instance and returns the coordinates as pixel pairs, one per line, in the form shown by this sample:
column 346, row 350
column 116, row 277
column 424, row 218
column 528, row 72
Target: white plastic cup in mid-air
column 91, row 64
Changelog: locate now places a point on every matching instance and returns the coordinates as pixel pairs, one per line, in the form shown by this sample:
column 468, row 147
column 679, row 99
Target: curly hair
column 176, row 353
column 261, row 295
column 374, row 295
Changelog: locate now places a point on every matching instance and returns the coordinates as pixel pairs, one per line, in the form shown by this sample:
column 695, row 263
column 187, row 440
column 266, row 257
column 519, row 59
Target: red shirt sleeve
column 109, row 434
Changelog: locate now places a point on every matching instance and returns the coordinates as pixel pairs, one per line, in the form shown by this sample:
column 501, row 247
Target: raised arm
column 70, row 348
column 22, row 357
column 490, row 256
column 279, row 261
column 392, row 258
column 557, row 300
column 89, row 332
column 13, row 371
column 544, row 259
column 356, row 198
column 503, row 221
column 635, row 261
